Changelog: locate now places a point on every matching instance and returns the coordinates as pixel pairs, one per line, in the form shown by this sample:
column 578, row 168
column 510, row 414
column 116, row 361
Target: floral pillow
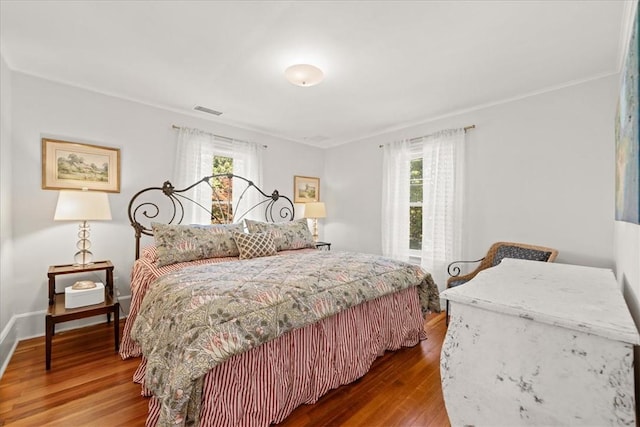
column 287, row 235
column 181, row 243
column 255, row 245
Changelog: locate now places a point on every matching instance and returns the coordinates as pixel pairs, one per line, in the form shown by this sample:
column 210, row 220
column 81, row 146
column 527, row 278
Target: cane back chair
column 497, row 252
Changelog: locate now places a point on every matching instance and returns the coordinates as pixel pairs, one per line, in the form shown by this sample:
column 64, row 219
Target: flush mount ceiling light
column 304, row 75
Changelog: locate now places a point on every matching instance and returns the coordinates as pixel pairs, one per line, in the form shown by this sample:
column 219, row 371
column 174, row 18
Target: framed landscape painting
column 306, row 189
column 627, row 137
column 72, row 165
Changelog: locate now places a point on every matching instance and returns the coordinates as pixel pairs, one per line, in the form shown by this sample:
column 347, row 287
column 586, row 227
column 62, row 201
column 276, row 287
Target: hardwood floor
column 89, row 385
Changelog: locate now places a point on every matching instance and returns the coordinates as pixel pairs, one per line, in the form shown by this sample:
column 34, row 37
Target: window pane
column 415, row 227
column 221, row 209
column 415, row 181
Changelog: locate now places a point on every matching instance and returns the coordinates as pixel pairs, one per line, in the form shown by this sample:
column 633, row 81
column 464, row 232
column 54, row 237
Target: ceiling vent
column 207, row 110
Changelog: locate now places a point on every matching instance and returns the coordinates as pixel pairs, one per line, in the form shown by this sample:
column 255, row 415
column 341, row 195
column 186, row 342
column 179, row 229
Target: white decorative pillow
column 180, row 243
column 287, row 235
column 255, row 245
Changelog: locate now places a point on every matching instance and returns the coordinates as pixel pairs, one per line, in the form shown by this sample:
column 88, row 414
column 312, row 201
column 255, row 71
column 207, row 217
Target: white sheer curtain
column 194, row 160
column 443, row 201
column 247, row 163
column 395, row 200
column 443, row 194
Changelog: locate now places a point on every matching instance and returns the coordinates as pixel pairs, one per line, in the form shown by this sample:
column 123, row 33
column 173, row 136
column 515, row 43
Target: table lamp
column 315, row 210
column 84, row 206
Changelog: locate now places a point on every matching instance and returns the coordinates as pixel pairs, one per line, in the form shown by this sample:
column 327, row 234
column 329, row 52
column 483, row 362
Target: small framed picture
column 72, row 165
column 306, row 189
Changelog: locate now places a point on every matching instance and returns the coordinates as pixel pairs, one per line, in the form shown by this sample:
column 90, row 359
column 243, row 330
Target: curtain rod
column 226, row 138
column 466, row 128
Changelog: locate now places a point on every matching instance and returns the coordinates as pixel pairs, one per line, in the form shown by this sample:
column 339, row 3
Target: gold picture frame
column 306, row 189
column 73, row 165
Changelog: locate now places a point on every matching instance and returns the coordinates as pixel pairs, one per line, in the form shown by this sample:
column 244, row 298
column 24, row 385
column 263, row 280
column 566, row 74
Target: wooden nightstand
column 57, row 313
column 323, row 245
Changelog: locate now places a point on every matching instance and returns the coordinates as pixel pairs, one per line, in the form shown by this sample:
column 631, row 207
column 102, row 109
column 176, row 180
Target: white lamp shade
column 304, row 75
column 82, row 206
column 315, row 210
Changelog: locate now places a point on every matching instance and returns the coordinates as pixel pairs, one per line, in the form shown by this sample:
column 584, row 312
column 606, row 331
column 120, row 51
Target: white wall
column 147, row 143
column 7, row 339
column 352, row 195
column 539, row 170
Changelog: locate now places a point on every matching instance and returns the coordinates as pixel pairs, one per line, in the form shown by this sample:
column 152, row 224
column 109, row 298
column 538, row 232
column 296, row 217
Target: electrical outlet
column 115, row 285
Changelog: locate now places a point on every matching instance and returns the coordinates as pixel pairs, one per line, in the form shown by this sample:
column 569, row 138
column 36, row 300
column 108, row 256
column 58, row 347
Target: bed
column 242, row 335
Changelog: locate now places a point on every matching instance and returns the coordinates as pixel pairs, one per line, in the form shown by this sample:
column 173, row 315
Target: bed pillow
column 181, row 243
column 255, row 245
column 287, row 235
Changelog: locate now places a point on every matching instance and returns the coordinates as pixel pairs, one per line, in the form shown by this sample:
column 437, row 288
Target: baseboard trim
column 8, row 343
column 31, row 325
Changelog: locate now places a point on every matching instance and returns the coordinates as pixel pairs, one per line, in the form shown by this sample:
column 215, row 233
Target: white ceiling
column 388, row 64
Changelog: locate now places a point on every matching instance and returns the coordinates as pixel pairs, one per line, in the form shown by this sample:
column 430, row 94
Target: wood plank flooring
column 89, row 385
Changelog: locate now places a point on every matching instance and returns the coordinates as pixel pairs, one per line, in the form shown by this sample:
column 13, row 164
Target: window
column 415, row 204
column 196, row 153
column 221, row 199
column 426, row 176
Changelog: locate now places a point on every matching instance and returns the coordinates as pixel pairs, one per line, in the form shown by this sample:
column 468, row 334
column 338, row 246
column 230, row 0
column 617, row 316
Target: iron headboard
column 143, row 211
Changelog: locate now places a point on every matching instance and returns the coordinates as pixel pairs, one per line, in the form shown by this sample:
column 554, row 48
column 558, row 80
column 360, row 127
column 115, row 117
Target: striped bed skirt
column 264, row 385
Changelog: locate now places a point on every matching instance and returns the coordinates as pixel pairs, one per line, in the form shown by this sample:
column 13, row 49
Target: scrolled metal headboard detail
column 143, row 209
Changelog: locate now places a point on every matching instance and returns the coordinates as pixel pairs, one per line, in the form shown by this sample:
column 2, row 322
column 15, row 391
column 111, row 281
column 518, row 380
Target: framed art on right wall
column 627, row 141
column 306, row 189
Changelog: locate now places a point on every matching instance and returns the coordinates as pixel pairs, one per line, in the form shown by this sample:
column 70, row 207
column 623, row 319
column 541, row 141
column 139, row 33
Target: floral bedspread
column 196, row 318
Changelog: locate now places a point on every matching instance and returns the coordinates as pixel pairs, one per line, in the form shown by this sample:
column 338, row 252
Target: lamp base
column 315, row 230
column 84, row 256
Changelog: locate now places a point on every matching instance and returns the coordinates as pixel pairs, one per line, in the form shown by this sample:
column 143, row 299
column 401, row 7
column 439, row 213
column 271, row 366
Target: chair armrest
column 454, row 271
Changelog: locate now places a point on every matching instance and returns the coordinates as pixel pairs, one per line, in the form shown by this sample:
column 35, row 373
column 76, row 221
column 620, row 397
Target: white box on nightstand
column 74, row 298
